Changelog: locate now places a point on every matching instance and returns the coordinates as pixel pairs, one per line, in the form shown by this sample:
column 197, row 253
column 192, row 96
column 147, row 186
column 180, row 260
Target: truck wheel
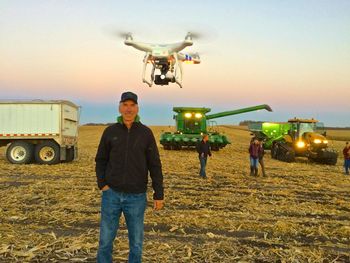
column 47, row 152
column 20, row 152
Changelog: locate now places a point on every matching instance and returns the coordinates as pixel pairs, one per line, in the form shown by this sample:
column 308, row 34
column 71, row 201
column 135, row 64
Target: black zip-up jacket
column 203, row 147
column 124, row 158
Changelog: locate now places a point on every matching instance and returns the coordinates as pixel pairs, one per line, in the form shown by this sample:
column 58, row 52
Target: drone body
column 165, row 58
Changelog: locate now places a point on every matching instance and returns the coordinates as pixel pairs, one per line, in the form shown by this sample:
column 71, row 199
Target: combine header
column 191, row 123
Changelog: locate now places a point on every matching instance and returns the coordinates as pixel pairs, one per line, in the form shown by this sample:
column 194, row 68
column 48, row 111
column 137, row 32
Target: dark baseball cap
column 128, row 96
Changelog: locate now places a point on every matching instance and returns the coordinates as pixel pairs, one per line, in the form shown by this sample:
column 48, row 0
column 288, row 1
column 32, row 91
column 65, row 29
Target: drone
column 166, row 60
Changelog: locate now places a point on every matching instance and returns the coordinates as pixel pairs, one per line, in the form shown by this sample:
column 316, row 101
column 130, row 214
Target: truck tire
column 47, row 152
column 20, row 152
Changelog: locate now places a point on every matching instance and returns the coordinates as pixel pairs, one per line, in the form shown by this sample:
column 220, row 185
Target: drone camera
column 161, row 80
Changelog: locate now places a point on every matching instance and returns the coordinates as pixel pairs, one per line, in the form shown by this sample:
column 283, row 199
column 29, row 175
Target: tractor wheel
column 332, row 160
column 47, row 152
column 167, row 147
column 176, row 147
column 274, row 149
column 215, row 148
column 20, row 152
column 285, row 153
column 329, row 158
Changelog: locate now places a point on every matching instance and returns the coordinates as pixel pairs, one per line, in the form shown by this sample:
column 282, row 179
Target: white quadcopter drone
column 164, row 58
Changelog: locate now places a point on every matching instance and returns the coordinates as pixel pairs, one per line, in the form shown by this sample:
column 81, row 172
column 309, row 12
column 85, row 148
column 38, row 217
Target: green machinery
column 297, row 137
column 192, row 122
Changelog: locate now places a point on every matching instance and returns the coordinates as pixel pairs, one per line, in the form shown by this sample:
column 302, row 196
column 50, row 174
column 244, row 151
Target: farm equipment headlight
column 325, row 141
column 317, row 141
column 198, row 115
column 300, row 144
column 188, row 115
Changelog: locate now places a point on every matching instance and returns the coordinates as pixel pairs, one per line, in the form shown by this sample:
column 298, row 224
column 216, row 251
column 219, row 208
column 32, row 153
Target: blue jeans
column 112, row 206
column 254, row 162
column 203, row 162
column 347, row 166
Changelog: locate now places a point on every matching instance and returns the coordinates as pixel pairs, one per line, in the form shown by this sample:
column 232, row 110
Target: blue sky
column 292, row 55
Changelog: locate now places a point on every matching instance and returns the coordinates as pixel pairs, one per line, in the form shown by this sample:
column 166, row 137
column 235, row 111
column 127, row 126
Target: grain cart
column 297, row 137
column 191, row 123
column 41, row 131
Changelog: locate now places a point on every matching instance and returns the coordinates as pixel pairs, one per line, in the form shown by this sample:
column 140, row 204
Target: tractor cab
column 305, row 133
column 190, row 120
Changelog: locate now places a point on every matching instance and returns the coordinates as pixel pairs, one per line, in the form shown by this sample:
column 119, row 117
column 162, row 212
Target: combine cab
column 297, row 137
column 191, row 123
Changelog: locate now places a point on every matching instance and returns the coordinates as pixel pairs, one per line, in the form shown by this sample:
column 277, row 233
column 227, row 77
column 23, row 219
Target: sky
column 293, row 55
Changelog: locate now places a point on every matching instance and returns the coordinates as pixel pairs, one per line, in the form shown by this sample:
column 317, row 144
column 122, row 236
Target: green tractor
column 191, row 123
column 297, row 137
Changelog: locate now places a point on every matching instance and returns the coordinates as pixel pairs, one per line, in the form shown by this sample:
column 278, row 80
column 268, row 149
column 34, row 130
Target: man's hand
column 158, row 204
column 202, row 155
column 105, row 188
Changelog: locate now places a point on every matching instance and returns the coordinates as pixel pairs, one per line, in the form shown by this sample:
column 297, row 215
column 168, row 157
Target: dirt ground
column 299, row 213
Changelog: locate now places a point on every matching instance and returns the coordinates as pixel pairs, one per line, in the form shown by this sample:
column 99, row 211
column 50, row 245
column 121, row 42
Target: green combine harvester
column 192, row 122
column 295, row 138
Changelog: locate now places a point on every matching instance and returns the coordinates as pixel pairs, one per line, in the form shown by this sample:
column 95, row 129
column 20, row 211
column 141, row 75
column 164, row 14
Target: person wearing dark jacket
column 255, row 150
column 203, row 150
column 126, row 154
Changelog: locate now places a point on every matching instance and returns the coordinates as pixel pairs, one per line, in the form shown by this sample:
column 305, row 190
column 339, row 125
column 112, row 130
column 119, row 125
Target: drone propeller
column 125, row 35
column 196, row 35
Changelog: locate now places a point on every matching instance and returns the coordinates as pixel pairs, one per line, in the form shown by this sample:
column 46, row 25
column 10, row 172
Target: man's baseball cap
column 128, row 96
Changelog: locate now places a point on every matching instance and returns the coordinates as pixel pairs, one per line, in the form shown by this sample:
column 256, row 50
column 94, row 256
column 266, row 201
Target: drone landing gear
column 178, row 83
column 145, row 61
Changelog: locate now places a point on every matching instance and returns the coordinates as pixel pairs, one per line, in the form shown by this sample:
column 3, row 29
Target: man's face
column 206, row 138
column 128, row 109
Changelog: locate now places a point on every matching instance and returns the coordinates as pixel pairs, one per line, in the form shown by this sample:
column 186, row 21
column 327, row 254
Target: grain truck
column 45, row 132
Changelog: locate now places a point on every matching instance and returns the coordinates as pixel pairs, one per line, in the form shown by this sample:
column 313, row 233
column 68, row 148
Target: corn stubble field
column 299, row 213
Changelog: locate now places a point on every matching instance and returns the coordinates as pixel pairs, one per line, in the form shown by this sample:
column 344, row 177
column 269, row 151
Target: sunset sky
column 293, row 55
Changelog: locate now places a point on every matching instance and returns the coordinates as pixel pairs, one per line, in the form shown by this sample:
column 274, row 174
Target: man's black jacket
column 203, row 147
column 125, row 156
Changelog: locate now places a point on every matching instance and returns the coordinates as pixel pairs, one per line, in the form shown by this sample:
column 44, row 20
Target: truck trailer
column 41, row 131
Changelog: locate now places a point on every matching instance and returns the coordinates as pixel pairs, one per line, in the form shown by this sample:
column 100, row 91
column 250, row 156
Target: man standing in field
column 203, row 150
column 126, row 153
column 346, row 153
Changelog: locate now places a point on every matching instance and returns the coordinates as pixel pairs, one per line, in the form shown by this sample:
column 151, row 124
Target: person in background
column 203, row 150
column 261, row 158
column 126, row 154
column 254, row 153
column 346, row 153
